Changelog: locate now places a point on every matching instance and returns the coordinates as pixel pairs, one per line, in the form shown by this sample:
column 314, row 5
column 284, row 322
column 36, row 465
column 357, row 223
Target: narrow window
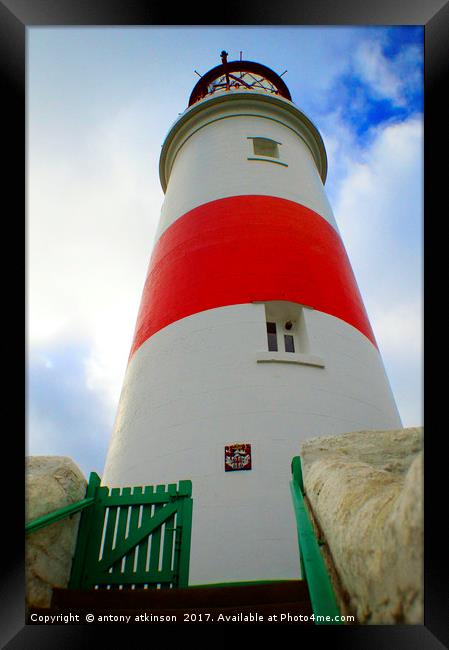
column 272, row 337
column 289, row 343
column 265, row 147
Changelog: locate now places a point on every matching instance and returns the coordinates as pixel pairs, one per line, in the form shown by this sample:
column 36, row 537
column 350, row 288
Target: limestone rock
column 366, row 493
column 52, row 482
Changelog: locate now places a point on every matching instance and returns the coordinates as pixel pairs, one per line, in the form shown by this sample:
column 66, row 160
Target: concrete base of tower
column 204, row 383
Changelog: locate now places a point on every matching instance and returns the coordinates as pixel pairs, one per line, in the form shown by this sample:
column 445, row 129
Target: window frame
column 256, row 155
column 289, row 320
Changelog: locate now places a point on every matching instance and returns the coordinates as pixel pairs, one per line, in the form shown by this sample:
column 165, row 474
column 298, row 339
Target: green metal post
column 87, row 518
column 57, row 515
column 185, row 488
column 322, row 596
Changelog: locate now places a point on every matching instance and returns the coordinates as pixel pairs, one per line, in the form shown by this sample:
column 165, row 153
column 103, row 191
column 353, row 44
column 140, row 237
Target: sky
column 100, row 102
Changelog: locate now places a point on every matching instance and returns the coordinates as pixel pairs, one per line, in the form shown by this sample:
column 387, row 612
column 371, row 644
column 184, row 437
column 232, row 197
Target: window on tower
column 288, row 326
column 289, row 339
column 265, row 147
column 287, row 335
column 272, row 337
column 289, row 343
column 265, row 150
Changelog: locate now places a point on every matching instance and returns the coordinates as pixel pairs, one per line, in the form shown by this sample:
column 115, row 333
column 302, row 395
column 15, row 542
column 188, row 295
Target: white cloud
column 400, row 328
column 90, row 234
column 379, row 202
column 373, row 68
column 388, row 78
column 378, row 208
column 64, row 417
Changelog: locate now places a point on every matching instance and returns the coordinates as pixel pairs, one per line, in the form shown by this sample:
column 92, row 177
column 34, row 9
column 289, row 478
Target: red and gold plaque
column 237, row 457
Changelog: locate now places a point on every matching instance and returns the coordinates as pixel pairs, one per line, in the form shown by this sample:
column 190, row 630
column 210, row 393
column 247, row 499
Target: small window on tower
column 272, row 337
column 289, row 343
column 287, row 335
column 265, row 147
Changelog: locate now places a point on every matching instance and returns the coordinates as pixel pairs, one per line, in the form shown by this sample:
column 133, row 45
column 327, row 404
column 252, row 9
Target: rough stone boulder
column 52, row 482
column 365, row 490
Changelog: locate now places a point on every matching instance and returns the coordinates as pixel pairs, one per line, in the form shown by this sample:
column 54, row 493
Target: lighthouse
column 251, row 335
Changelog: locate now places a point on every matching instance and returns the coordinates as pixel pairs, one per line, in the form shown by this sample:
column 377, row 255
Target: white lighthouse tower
column 251, row 335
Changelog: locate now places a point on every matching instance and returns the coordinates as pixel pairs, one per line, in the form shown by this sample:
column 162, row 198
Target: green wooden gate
column 134, row 537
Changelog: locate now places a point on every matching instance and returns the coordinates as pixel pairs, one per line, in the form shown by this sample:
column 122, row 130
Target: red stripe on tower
column 245, row 249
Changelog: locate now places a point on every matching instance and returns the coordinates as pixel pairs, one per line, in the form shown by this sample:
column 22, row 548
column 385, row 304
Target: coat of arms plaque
column 237, row 457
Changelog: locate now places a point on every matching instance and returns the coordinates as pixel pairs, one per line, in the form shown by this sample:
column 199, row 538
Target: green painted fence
column 313, row 569
column 134, row 537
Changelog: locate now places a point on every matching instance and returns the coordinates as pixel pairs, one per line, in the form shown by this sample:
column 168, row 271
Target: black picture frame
column 18, row 15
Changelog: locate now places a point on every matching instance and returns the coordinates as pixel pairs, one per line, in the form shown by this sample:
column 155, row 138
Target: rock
column 366, row 493
column 52, row 482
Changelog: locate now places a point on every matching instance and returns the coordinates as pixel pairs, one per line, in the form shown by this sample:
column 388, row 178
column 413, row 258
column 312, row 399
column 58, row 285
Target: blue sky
column 99, row 104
